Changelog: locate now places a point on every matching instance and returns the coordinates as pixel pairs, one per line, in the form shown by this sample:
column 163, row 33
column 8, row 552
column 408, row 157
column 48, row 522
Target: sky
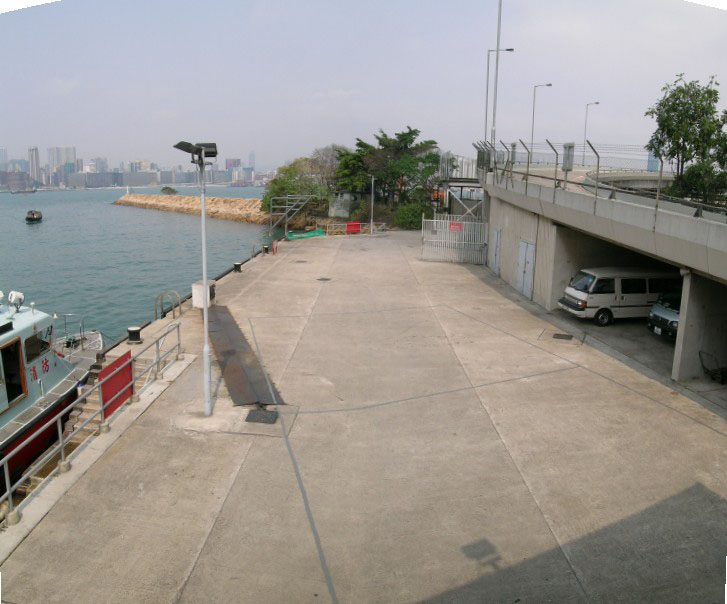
column 128, row 79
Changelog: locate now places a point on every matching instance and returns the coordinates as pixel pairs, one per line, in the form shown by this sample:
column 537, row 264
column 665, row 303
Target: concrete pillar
column 702, row 325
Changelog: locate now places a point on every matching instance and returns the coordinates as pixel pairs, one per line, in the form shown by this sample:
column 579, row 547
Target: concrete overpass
column 572, row 229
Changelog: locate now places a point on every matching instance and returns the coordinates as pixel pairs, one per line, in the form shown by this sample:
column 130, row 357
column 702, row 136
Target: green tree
column 168, row 191
column 688, row 124
column 400, row 164
column 702, row 181
column 295, row 178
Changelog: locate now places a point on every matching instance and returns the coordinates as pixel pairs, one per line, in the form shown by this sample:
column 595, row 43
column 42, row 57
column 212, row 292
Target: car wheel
column 603, row 317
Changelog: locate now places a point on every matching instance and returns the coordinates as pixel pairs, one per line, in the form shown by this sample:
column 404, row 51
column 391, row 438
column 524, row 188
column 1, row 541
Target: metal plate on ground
column 562, row 336
column 323, row 279
column 262, row 416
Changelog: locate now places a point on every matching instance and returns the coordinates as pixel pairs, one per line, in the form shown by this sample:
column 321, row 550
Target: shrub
column 409, row 216
column 168, row 191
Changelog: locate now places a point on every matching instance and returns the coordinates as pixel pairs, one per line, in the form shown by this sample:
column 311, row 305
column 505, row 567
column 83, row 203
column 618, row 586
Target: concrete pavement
column 450, row 450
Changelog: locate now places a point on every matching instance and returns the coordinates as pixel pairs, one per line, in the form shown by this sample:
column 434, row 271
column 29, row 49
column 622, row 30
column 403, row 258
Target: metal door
column 496, row 256
column 525, row 265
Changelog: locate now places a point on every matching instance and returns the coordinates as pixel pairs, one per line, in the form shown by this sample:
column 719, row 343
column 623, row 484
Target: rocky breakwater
column 225, row 208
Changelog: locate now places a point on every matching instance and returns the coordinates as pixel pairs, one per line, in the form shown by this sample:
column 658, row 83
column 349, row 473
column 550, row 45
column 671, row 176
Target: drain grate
column 562, row 336
column 262, row 416
column 301, row 261
column 323, row 279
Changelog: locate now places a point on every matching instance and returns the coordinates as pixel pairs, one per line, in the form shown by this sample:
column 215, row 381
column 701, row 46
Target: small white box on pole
column 198, row 294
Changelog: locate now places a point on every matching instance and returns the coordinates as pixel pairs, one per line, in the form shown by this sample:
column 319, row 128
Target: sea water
column 108, row 263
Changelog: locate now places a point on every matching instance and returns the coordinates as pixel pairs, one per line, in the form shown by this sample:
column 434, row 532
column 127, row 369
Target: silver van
column 608, row 293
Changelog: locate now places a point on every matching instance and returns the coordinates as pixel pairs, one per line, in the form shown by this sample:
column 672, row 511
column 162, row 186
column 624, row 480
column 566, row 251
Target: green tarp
column 308, row 235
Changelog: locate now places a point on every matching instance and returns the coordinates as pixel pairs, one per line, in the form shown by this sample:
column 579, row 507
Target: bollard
column 134, row 335
column 238, row 267
column 266, row 249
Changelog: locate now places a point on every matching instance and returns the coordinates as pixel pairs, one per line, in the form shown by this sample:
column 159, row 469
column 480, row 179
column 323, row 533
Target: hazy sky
column 127, row 79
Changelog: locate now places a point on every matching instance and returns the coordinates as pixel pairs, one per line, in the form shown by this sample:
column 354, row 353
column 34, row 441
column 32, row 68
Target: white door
column 633, row 299
column 525, row 266
column 496, row 256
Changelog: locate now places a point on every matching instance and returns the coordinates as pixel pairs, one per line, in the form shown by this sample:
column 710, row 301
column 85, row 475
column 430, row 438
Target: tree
column 688, row 124
column 323, row 165
column 400, row 165
column 168, row 191
column 702, row 181
column 295, row 178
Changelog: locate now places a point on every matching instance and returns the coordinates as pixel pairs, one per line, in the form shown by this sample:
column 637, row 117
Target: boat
column 40, row 375
column 23, row 191
column 33, row 216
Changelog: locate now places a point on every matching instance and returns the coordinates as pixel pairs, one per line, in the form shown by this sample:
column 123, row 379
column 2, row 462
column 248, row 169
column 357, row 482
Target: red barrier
column 121, row 381
column 352, row 228
column 455, row 227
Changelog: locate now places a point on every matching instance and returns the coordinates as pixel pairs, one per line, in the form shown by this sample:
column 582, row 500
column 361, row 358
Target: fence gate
column 454, row 239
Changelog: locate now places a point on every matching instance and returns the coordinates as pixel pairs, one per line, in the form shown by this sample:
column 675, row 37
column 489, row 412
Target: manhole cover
column 301, row 261
column 262, row 416
column 562, row 336
column 323, row 279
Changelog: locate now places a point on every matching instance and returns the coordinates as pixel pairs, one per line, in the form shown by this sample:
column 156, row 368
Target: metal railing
column 13, row 515
column 159, row 303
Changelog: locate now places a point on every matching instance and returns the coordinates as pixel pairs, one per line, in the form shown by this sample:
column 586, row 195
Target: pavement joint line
column 299, row 479
column 417, row 397
column 504, row 445
column 302, row 331
column 605, row 377
column 182, row 587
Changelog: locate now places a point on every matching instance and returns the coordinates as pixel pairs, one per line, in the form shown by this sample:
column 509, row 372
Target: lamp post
column 200, row 153
column 532, row 123
column 371, row 224
column 497, row 69
column 585, row 130
column 487, row 87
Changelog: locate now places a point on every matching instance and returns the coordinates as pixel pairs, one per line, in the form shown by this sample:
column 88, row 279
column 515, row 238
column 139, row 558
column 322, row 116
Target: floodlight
column 187, row 147
column 210, row 149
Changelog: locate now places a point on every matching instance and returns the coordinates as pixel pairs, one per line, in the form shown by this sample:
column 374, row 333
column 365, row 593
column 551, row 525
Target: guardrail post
column 598, row 170
column 179, row 344
column 527, row 170
column 134, row 394
column 63, row 465
column 555, row 175
column 13, row 515
column 156, row 361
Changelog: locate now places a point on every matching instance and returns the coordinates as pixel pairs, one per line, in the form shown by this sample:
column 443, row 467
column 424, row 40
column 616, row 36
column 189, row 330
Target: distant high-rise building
column 98, row 165
column 251, row 160
column 232, row 163
column 79, row 165
column 34, row 164
column 3, row 155
column 60, row 156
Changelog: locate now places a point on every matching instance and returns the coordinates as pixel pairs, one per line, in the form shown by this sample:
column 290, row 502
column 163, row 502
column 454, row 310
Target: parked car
column 608, row 293
column 664, row 315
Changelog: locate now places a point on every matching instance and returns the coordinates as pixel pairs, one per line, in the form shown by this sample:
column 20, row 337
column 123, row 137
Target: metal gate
column 525, row 265
column 454, row 239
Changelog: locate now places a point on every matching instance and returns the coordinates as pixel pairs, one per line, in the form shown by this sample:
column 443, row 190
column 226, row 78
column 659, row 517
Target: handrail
column 57, row 419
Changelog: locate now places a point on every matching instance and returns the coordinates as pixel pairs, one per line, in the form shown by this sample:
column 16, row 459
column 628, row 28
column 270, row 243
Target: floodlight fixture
column 187, row 147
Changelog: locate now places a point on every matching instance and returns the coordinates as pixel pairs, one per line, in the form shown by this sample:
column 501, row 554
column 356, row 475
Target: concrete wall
column 702, row 325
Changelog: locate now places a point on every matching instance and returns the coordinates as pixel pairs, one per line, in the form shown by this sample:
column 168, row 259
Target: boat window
column 38, row 344
column 582, row 281
column 633, row 286
column 604, row 286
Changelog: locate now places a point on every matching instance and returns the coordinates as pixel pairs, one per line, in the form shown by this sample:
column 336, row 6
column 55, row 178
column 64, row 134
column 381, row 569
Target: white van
column 608, row 293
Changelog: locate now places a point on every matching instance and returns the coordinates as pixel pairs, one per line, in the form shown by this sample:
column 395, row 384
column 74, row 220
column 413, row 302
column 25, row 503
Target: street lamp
column 585, row 130
column 200, row 153
column 532, row 123
column 487, row 87
column 371, row 223
column 497, row 69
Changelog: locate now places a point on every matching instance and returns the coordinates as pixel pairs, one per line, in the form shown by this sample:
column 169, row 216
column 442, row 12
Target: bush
column 168, row 191
column 409, row 216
